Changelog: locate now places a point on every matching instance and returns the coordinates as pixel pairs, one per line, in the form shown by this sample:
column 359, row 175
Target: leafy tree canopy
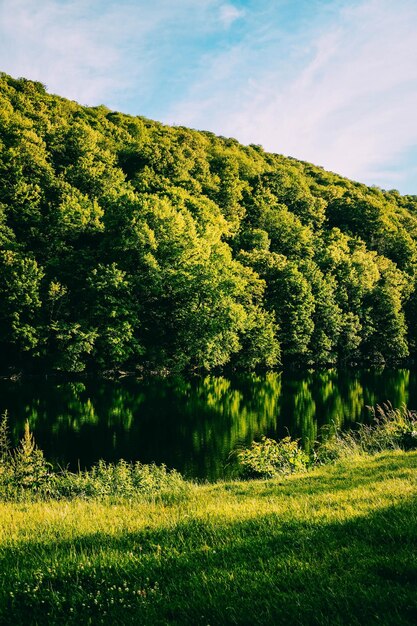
column 125, row 243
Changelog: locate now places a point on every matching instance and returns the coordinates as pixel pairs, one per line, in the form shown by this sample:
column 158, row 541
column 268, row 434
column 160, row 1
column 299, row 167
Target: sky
column 333, row 82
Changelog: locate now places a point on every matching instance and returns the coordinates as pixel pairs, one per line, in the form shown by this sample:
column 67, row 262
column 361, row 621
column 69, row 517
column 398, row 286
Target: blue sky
column 333, row 82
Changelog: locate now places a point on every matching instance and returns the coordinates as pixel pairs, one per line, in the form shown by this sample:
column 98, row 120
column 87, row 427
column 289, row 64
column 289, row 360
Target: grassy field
column 337, row 545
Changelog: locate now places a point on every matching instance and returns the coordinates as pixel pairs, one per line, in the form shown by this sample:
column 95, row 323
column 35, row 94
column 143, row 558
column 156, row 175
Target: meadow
column 333, row 545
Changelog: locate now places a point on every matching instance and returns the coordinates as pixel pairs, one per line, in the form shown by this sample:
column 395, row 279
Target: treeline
column 125, row 243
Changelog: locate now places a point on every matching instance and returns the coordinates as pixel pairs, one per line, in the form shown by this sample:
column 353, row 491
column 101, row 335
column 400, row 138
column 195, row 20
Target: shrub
column 120, row 479
column 336, row 444
column 24, row 474
column 30, row 470
column 268, row 458
column 4, row 440
column 390, row 429
column 5, row 455
column 393, row 428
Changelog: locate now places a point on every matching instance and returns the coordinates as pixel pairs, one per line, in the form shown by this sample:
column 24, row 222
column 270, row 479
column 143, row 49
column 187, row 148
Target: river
column 194, row 424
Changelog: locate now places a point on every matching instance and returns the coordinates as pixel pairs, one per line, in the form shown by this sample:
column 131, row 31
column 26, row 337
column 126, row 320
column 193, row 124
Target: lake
column 193, row 424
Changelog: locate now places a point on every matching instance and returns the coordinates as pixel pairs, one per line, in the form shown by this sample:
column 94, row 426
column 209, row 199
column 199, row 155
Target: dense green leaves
column 19, row 302
column 128, row 244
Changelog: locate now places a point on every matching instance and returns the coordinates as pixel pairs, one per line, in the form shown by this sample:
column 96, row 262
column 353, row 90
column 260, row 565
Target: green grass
column 335, row 545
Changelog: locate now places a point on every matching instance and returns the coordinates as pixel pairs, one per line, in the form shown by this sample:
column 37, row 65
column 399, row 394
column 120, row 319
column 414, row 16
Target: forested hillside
column 125, row 243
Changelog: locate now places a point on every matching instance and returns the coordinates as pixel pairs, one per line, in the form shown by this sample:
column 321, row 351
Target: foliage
column 118, row 480
column 128, row 244
column 6, row 472
column 30, row 470
column 268, row 458
column 25, row 474
column 4, row 440
column 392, row 428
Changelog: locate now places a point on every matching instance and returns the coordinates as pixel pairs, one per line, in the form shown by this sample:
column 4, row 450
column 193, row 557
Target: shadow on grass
column 261, row 571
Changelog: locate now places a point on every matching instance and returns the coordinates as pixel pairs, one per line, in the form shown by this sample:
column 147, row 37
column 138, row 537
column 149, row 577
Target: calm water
column 193, row 424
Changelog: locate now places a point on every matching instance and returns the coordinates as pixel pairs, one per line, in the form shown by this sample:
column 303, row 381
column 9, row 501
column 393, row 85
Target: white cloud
column 336, row 86
column 343, row 97
column 97, row 51
column 228, row 14
column 55, row 43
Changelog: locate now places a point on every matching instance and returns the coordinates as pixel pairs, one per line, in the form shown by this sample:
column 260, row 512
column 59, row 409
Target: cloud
column 56, row 43
column 229, row 14
column 342, row 95
column 98, row 51
column 332, row 82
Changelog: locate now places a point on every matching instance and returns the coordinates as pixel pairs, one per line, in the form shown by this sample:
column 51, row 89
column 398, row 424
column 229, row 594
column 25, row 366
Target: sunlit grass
column 333, row 546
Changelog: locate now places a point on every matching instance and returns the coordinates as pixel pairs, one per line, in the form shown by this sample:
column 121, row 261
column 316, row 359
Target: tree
column 289, row 296
column 20, row 303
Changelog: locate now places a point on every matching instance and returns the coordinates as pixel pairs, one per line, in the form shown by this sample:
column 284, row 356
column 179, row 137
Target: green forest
column 128, row 244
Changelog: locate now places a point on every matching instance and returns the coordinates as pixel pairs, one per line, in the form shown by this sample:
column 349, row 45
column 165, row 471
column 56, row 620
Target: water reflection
column 193, row 424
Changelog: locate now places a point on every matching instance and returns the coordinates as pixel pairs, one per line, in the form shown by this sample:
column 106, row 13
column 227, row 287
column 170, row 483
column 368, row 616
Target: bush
column 30, row 470
column 391, row 429
column 268, row 458
column 24, row 474
column 4, row 441
column 6, row 472
column 120, row 479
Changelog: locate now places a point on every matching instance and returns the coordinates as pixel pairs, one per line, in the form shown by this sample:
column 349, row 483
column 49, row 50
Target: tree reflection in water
column 193, row 424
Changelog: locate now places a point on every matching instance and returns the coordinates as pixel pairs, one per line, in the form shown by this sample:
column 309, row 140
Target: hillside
column 128, row 244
